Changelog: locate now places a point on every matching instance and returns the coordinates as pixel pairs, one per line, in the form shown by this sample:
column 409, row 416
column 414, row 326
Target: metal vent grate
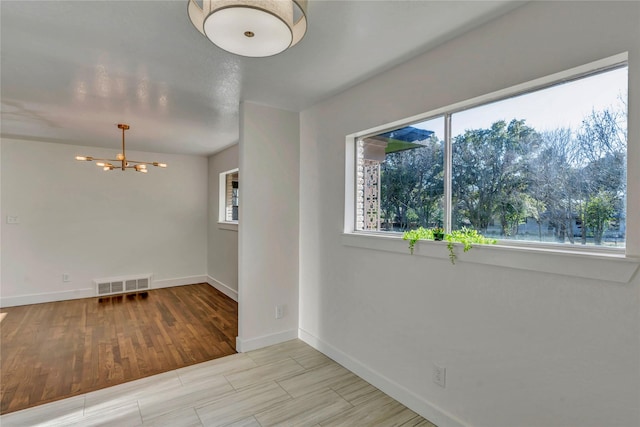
column 116, row 287
column 122, row 285
column 104, row 288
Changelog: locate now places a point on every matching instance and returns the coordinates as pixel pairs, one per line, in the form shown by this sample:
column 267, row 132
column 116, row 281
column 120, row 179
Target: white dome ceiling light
column 254, row 28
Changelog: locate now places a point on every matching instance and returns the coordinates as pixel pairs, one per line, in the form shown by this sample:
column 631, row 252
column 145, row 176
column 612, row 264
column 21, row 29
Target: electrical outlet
column 66, row 277
column 439, row 375
column 11, row 219
column 279, row 311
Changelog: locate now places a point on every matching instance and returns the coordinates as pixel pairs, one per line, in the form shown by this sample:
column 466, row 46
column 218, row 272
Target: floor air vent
column 122, row 285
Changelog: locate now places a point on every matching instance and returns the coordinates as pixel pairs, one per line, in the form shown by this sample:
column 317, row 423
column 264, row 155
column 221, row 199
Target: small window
column 546, row 166
column 229, row 196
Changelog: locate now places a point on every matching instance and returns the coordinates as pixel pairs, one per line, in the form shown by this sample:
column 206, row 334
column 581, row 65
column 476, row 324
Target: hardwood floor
column 57, row 350
column 289, row 384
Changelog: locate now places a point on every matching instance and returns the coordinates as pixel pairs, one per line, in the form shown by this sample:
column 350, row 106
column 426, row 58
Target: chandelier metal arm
column 139, row 162
column 158, row 164
column 91, row 159
column 121, row 158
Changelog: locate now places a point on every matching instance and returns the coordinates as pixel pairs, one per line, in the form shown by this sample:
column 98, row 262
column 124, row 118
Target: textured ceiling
column 71, row 70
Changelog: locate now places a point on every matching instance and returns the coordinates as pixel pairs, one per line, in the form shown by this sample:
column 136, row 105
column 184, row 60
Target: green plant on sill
column 438, row 233
column 466, row 236
column 419, row 233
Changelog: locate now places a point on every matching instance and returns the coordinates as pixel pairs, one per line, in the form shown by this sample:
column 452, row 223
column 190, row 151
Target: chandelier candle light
column 125, row 163
column 254, row 28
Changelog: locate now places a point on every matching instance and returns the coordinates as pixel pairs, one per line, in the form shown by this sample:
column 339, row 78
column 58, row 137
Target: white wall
column 76, row 219
column 521, row 348
column 222, row 258
column 268, row 225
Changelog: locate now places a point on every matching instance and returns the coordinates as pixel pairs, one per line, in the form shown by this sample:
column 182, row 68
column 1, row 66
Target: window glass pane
column 234, row 196
column 547, row 166
column 400, row 178
column 232, row 201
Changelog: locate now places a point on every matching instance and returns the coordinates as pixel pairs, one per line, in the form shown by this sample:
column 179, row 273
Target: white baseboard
column 388, row 386
column 46, row 297
column 225, row 289
column 180, row 281
column 244, row 345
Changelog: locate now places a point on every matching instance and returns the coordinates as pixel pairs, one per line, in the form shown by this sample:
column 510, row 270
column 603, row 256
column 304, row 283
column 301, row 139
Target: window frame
column 350, row 217
column 223, row 223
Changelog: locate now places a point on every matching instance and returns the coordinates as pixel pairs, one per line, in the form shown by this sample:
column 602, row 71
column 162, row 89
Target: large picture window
column 547, row 165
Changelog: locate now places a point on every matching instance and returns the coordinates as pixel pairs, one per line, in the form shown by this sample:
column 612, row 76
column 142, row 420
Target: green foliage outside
column 598, row 211
column 488, row 182
column 412, row 186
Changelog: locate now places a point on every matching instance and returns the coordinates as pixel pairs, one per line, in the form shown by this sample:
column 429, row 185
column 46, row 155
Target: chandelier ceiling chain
column 107, row 165
column 254, row 28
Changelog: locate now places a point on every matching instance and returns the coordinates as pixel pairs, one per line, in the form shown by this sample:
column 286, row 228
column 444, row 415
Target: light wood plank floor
column 62, row 349
column 289, row 384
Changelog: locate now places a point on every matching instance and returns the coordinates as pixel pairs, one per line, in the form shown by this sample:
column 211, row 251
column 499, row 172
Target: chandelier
column 121, row 158
column 254, row 28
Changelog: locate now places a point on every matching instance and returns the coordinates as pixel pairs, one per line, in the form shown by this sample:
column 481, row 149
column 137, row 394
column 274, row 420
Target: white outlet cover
column 279, row 311
column 439, row 375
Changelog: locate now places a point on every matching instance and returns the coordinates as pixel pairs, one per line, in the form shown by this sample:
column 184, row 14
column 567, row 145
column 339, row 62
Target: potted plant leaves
column 466, row 236
column 413, row 236
column 438, row 234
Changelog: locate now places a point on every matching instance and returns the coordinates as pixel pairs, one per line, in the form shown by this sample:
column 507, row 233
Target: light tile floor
column 289, row 384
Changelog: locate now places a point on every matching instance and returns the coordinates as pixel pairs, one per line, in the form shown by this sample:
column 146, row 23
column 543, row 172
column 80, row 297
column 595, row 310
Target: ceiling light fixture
column 125, row 163
column 254, row 28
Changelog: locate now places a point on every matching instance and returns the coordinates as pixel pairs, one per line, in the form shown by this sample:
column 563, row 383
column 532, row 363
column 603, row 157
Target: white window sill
column 612, row 267
column 233, row 226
